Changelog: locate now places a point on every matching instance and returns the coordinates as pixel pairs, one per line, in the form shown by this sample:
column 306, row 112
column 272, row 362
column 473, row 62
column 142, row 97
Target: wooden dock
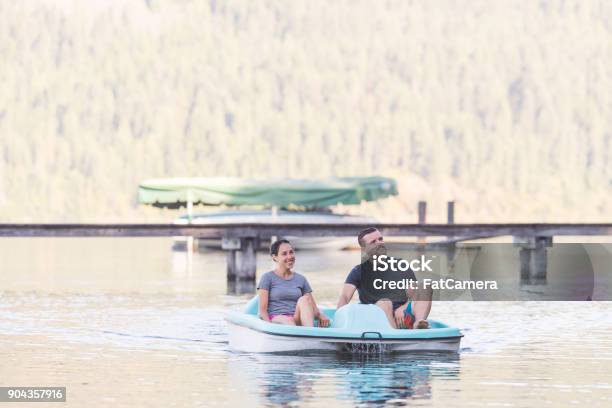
column 242, row 238
column 267, row 230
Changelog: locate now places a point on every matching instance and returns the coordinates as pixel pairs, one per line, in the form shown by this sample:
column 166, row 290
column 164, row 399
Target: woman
column 285, row 297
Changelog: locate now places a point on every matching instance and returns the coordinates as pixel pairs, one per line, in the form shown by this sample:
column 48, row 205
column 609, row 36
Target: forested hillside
column 504, row 106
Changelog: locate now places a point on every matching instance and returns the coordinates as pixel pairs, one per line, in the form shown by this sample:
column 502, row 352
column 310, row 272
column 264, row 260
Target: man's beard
column 377, row 250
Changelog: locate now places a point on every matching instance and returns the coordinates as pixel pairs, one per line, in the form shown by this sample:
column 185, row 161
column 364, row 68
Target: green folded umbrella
column 177, row 192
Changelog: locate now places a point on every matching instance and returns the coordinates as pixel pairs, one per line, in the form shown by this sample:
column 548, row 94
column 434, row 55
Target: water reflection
column 367, row 380
column 240, row 286
column 74, row 310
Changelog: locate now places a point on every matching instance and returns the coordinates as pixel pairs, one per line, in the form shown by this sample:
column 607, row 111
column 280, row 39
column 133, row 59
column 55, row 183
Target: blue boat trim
column 374, row 339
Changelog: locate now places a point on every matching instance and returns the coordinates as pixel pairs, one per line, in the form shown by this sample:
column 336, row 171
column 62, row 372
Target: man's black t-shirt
column 362, row 277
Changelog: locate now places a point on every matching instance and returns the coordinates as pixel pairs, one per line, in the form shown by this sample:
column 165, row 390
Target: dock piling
column 533, row 258
column 248, row 258
column 245, row 267
column 230, row 256
column 422, row 212
column 451, row 248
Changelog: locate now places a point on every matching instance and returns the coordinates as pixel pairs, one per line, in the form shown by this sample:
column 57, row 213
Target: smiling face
column 373, row 244
column 285, row 257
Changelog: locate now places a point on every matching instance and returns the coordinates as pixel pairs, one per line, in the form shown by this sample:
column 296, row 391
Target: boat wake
column 163, row 337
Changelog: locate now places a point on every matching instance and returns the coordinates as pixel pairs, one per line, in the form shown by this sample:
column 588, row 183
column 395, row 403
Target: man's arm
column 346, row 295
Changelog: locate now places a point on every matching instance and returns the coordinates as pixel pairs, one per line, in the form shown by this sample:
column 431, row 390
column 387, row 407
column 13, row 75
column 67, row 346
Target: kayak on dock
column 354, row 328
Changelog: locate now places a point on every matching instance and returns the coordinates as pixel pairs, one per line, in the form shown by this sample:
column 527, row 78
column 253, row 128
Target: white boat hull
column 253, row 341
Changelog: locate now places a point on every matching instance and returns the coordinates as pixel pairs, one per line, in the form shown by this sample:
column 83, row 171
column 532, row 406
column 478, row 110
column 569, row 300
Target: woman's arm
column 263, row 304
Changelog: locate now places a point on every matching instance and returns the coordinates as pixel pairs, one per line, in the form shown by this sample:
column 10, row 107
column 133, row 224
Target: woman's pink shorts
column 272, row 316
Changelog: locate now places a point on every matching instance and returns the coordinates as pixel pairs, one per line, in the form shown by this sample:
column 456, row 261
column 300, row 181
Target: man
column 408, row 308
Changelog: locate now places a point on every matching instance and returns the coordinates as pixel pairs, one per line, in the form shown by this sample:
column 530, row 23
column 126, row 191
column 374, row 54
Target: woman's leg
column 283, row 319
column 304, row 312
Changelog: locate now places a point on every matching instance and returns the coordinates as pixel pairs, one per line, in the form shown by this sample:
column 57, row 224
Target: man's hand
column 399, row 316
column 323, row 320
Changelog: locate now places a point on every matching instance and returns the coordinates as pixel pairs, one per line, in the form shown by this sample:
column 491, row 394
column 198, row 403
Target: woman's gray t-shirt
column 283, row 294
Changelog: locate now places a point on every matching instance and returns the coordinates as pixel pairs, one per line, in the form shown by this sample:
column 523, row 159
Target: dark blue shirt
column 362, row 277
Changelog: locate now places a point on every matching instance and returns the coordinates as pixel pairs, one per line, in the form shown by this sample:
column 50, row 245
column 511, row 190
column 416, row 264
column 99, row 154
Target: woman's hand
column 263, row 304
column 323, row 320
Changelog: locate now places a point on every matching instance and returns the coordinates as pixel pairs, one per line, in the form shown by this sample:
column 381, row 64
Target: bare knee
column 304, row 301
column 420, row 294
column 385, row 304
column 424, row 294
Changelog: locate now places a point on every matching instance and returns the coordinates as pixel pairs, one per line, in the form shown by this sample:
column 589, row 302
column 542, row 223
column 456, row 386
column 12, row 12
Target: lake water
column 129, row 322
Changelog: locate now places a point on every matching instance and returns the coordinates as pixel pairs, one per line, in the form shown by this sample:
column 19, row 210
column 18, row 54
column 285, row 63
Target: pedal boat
column 353, row 328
